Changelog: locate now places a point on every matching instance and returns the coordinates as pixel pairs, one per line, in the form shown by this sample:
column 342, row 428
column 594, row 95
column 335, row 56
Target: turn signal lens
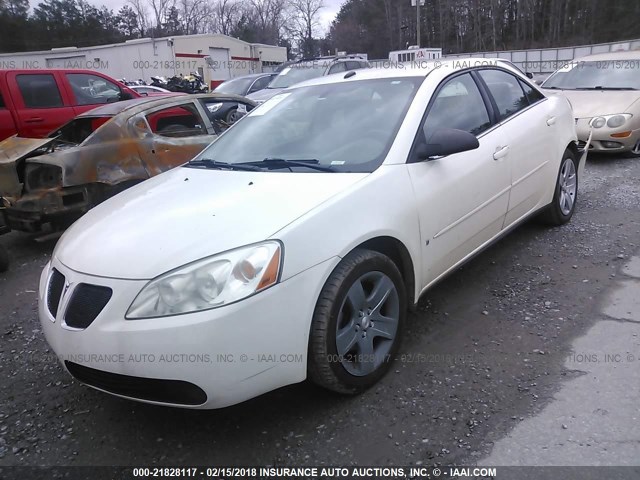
column 622, row 134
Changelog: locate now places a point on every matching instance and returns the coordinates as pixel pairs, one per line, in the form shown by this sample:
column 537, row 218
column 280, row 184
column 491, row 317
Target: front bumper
column 231, row 353
column 602, row 141
column 57, row 206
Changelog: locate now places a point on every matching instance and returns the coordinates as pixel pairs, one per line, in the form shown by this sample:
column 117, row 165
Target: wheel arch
column 400, row 256
column 573, row 147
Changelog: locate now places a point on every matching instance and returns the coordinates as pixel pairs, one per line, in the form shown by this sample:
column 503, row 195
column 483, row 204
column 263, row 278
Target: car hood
column 187, row 214
column 264, row 94
column 592, row 103
column 12, row 151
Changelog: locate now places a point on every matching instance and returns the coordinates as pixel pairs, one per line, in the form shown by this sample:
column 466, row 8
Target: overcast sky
column 327, row 14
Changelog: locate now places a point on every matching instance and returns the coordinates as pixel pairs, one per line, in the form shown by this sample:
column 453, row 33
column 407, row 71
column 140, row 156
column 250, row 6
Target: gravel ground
column 485, row 351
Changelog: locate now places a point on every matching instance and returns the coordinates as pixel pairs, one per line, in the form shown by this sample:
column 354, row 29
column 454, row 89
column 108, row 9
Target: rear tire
column 357, row 323
column 565, row 195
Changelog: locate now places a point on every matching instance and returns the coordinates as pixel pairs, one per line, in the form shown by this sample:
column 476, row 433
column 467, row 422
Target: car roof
column 140, row 104
column 250, row 75
column 441, row 67
column 619, row 55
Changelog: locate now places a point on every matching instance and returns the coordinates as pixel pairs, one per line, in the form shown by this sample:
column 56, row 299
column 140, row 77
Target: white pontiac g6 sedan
column 293, row 245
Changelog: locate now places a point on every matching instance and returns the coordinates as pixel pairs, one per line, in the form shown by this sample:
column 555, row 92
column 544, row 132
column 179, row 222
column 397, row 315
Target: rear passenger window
column 458, row 104
column 533, row 95
column 259, row 84
column 506, row 91
column 338, row 67
column 39, row 90
column 354, row 65
column 1, row 101
column 177, row 121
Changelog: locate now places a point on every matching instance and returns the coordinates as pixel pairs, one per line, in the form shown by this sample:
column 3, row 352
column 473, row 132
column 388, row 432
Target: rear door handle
column 34, row 120
column 501, row 152
column 551, row 121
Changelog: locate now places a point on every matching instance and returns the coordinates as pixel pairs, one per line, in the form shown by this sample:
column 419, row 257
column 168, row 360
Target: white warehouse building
column 216, row 57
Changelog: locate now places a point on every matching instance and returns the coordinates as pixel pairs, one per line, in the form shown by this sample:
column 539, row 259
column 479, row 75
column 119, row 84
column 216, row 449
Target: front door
column 462, row 198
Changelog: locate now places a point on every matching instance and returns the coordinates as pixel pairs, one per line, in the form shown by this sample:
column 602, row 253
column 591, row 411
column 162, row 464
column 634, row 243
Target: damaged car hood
column 187, row 214
column 12, row 151
column 592, row 103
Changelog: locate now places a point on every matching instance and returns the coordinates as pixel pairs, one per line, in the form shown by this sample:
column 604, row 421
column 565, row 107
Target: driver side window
column 459, row 105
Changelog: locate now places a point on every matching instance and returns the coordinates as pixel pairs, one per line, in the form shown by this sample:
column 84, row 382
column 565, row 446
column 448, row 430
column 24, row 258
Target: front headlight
column 214, row 107
column 211, row 282
column 41, row 175
column 616, row 121
column 611, row 121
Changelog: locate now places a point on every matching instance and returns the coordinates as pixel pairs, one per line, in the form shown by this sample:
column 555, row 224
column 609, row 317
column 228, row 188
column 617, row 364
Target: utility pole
column 417, row 3
column 418, row 23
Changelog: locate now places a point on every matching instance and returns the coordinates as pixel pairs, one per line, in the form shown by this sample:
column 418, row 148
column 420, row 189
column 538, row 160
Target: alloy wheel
column 367, row 323
column 568, row 186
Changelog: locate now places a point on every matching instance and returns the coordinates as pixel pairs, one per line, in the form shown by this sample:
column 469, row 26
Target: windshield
column 347, row 126
column 237, row 86
column 605, row 74
column 297, row 73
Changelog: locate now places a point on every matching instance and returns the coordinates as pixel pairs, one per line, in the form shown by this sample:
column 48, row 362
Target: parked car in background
column 251, row 252
column 306, row 70
column 151, row 91
column 244, row 86
column 48, row 183
column 35, row 102
column 604, row 91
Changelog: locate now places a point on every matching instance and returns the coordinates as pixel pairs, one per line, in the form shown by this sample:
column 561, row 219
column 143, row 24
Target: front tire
column 357, row 323
column 635, row 151
column 565, row 195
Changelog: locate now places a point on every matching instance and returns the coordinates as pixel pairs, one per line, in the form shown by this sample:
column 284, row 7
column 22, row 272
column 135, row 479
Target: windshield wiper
column 208, row 163
column 311, row 163
column 600, row 87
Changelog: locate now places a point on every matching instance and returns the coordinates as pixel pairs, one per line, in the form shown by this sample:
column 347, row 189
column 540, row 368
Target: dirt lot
column 486, row 351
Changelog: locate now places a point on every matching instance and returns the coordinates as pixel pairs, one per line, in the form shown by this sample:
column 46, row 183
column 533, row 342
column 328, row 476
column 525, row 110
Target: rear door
column 529, row 131
column 40, row 103
column 462, row 198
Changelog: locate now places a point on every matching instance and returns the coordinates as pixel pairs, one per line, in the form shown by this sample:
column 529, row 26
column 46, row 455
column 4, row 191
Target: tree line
column 456, row 26
column 364, row 26
column 63, row 23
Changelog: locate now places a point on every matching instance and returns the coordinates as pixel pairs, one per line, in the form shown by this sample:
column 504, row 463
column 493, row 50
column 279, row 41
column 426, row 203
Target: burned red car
column 46, row 184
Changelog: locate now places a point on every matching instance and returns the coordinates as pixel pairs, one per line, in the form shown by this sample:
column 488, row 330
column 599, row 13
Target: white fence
column 539, row 61
column 548, row 60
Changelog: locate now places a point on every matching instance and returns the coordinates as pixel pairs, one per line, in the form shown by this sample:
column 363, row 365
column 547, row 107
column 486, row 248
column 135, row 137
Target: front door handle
column 34, row 120
column 501, row 152
column 551, row 121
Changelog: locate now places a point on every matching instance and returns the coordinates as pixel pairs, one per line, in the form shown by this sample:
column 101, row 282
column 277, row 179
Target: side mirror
column 446, row 141
column 124, row 95
column 529, row 75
